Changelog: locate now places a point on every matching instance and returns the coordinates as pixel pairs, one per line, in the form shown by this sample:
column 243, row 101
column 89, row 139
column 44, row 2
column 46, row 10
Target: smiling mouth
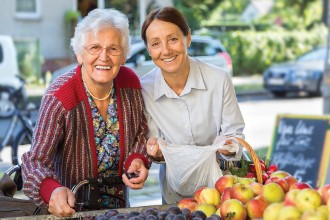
column 103, row 67
column 169, row 59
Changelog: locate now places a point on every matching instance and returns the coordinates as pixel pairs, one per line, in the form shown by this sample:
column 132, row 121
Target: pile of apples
column 281, row 196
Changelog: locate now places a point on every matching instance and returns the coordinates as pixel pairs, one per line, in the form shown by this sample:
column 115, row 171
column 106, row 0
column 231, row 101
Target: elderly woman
column 91, row 121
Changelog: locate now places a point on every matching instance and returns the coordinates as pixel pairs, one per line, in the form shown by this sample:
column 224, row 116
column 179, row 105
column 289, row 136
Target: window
column 28, row 9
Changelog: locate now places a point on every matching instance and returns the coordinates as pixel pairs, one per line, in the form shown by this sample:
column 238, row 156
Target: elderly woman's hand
column 138, row 168
column 61, row 202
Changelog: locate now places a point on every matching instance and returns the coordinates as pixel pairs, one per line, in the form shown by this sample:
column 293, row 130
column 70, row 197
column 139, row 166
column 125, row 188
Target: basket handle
column 254, row 157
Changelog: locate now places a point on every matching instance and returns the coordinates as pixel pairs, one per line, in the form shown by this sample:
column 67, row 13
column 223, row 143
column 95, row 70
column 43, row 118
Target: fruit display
column 280, row 196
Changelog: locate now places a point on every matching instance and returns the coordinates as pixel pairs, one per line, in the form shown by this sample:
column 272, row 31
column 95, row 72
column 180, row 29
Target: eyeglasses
column 96, row 49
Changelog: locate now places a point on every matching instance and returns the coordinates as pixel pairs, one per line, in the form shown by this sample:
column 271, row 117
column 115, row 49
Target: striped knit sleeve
column 37, row 164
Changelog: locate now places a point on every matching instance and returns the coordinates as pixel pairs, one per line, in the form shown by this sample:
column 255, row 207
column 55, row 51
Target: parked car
column 305, row 74
column 204, row 48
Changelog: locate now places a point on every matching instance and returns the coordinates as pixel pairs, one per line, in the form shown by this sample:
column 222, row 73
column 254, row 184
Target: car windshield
column 315, row 55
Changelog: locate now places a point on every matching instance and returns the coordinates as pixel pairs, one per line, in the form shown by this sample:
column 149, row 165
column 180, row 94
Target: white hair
column 98, row 19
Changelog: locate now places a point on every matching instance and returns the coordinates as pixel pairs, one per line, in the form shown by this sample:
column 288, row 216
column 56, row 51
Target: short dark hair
column 167, row 14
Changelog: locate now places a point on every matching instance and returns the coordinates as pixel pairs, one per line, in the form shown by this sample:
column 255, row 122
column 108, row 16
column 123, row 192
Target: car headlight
column 300, row 74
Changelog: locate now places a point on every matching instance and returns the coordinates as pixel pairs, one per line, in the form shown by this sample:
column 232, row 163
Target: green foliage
column 252, row 52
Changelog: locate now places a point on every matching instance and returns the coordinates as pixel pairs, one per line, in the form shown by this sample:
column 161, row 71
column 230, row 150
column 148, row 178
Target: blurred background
column 275, row 51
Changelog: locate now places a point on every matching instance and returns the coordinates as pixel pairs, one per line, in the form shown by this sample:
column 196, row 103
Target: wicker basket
column 254, row 157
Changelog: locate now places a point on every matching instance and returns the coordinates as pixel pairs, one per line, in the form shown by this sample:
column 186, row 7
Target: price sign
column 301, row 146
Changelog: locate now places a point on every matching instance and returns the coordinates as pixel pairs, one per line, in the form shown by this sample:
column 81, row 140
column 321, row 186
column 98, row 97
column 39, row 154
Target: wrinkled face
column 167, row 47
column 102, row 55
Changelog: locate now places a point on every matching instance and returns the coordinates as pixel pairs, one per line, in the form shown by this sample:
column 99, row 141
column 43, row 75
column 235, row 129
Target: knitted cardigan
column 63, row 150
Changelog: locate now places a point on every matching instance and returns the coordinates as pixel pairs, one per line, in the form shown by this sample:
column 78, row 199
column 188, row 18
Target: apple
column 256, row 206
column 225, row 195
column 273, row 192
column 209, row 196
column 264, row 177
column 262, row 161
column 300, row 185
column 233, row 209
column 280, row 182
column 308, row 199
column 252, row 167
column 272, row 211
column 289, row 212
column 245, row 180
column 280, row 174
column 251, row 175
column 323, row 209
column 323, row 192
column 188, row 203
column 197, row 192
column 208, row 209
column 273, row 168
column 269, row 172
column 272, row 179
column 224, row 182
column 256, row 187
column 313, row 214
column 290, row 180
column 290, row 197
column 242, row 192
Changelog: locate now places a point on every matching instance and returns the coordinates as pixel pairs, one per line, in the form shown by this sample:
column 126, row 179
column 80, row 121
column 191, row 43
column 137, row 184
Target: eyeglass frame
column 108, row 50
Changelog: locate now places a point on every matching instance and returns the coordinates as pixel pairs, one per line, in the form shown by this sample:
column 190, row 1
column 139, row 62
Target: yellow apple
column 245, row 180
column 272, row 211
column 290, row 197
column 209, row 196
column 323, row 209
column 280, row 174
column 208, row 209
column 242, row 192
column 273, row 192
column 308, row 199
column 233, row 209
column 289, row 212
column 313, row 214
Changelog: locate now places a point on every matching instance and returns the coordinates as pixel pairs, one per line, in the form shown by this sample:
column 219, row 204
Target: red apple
column 272, row 168
column 272, row 179
column 251, row 175
column 269, row 172
column 224, row 182
column 280, row 174
column 241, row 192
column 323, row 191
column 308, row 199
column 233, row 209
column 290, row 197
column 290, row 180
column 256, row 187
column 188, row 203
column 225, row 195
column 252, row 168
column 262, row 161
column 283, row 184
column 264, row 177
column 273, row 192
column 209, row 196
column 256, row 206
column 300, row 185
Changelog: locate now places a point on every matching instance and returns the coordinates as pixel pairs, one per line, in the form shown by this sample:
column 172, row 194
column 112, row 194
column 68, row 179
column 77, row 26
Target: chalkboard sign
column 299, row 147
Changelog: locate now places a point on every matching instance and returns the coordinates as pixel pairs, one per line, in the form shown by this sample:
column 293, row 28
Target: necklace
column 94, row 97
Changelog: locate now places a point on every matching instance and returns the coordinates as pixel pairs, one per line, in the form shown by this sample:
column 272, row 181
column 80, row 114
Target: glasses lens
column 97, row 49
